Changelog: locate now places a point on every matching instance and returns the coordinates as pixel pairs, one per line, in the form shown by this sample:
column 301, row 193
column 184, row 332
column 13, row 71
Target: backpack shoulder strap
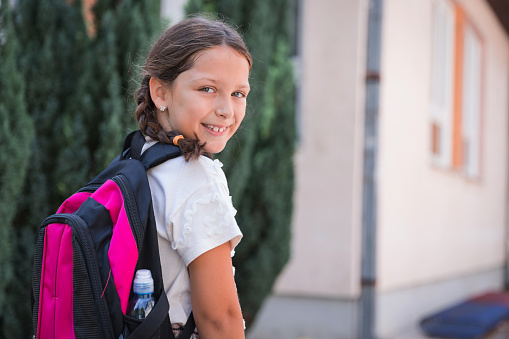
column 133, row 145
column 155, row 155
column 189, row 327
column 159, row 153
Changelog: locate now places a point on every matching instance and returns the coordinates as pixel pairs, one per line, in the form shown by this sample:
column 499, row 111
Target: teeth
column 216, row 129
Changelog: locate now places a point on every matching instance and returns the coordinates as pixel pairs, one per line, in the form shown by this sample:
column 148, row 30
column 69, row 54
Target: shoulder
column 183, row 178
column 201, row 170
column 201, row 166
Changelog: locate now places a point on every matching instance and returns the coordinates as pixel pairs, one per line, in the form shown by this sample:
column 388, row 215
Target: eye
column 207, row 89
column 238, row 94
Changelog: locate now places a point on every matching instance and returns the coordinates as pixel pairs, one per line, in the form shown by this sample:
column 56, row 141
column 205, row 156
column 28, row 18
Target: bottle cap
column 143, row 282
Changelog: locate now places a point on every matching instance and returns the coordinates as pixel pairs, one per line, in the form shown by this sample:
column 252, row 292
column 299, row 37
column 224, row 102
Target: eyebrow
column 241, row 86
column 245, row 86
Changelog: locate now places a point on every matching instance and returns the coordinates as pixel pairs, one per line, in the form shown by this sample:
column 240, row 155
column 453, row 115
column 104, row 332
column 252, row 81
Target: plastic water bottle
column 143, row 301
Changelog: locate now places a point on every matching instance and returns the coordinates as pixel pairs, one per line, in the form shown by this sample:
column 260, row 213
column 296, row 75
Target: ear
column 158, row 92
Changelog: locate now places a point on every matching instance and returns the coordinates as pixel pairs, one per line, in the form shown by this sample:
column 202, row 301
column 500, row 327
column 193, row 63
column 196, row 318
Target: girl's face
column 209, row 100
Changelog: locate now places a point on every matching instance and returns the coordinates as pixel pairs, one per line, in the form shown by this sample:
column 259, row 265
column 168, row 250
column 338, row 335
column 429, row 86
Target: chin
column 214, row 149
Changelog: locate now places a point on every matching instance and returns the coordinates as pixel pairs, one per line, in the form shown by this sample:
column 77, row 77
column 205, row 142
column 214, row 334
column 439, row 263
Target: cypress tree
column 16, row 130
column 259, row 160
column 52, row 39
column 131, row 24
column 103, row 99
column 99, row 103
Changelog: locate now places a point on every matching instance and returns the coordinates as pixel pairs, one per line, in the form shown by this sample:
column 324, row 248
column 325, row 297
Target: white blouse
column 194, row 214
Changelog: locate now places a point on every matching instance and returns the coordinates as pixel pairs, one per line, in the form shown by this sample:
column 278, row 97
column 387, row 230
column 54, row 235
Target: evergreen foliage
column 76, row 96
column 16, row 131
column 259, row 164
column 51, row 39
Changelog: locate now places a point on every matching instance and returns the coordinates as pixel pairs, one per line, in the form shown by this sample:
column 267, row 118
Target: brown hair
column 173, row 53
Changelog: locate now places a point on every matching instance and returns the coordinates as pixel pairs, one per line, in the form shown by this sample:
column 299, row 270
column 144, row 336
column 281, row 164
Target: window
column 456, row 90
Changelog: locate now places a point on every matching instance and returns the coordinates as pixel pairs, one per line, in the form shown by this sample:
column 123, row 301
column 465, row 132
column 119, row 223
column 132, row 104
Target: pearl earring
column 162, row 108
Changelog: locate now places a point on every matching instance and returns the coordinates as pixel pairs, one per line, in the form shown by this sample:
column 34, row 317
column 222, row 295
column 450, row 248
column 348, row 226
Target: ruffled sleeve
column 204, row 221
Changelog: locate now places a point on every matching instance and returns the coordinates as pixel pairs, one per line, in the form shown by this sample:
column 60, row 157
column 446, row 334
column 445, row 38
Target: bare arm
column 214, row 297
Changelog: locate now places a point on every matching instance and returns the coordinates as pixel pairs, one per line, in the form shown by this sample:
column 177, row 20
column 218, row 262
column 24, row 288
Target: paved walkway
column 303, row 318
column 500, row 333
column 287, row 318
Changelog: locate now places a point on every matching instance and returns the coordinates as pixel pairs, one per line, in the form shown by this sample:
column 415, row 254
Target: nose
column 224, row 107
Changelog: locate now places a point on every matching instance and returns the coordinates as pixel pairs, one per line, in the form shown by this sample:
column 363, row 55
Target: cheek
column 240, row 113
column 186, row 116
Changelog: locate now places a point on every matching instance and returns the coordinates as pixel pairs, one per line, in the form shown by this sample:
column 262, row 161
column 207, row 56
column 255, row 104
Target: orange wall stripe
column 457, row 143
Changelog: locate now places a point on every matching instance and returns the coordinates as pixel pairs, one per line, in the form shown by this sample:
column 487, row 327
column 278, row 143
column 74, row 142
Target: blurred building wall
column 327, row 213
column 441, row 234
column 436, row 222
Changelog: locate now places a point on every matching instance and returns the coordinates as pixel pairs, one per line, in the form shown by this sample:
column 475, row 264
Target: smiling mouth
column 216, row 129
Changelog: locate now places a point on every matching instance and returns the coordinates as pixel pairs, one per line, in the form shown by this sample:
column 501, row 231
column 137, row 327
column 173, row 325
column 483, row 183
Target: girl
column 193, row 94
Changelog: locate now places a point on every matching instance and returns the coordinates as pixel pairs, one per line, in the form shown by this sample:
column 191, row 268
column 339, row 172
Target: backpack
column 88, row 252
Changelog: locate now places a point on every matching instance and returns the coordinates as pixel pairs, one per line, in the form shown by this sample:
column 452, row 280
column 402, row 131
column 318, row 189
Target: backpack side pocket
column 52, row 280
column 155, row 326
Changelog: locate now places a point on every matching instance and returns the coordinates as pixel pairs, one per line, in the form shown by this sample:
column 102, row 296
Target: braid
column 191, row 148
column 146, row 116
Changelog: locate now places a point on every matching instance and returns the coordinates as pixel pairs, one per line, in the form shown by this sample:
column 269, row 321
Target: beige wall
column 325, row 257
column 434, row 223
